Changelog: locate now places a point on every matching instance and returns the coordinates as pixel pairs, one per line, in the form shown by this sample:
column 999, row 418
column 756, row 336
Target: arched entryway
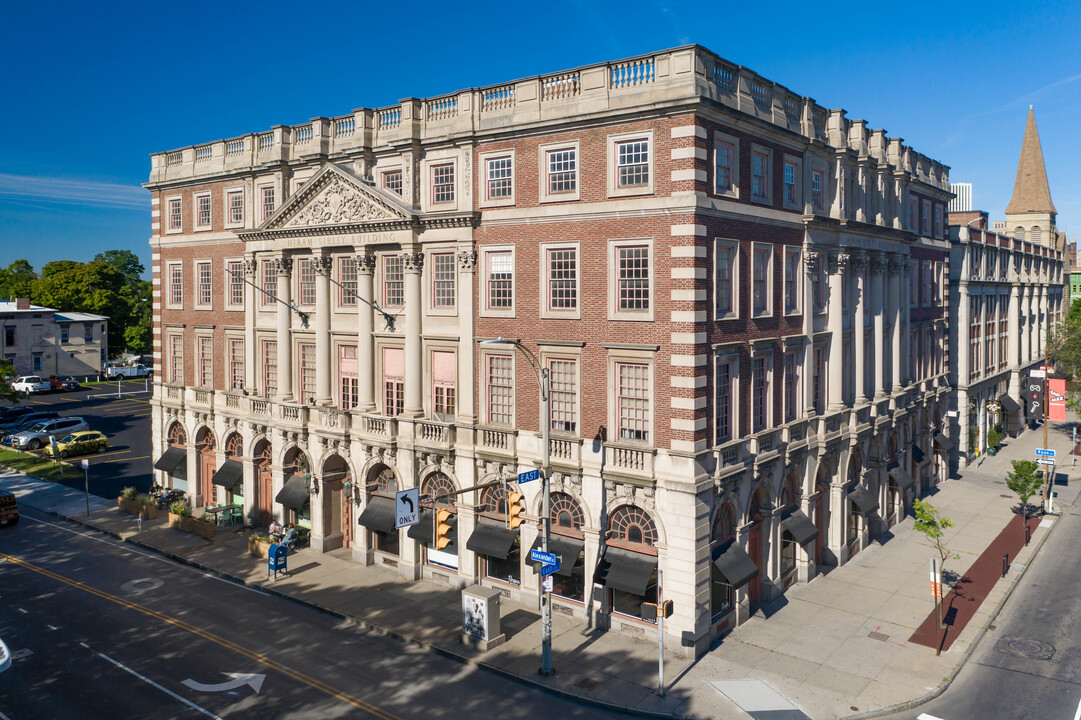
column 757, row 545
column 628, row 568
column 382, row 485
column 205, row 466
column 178, row 475
column 337, row 508
column 854, row 519
column 722, row 593
column 568, row 540
column 294, row 496
column 263, row 502
column 501, row 552
column 439, row 489
column 234, row 450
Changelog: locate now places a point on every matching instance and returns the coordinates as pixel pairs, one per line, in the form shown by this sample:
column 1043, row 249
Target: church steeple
column 1031, row 193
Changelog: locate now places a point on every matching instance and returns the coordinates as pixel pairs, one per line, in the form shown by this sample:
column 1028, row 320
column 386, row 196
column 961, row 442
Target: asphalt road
column 1029, row 665
column 100, row 629
column 125, row 420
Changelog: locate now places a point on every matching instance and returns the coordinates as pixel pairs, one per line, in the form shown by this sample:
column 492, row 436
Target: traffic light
column 649, row 611
column 442, row 529
column 514, row 509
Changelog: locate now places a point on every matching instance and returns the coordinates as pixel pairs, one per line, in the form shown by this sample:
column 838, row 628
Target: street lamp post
column 541, row 373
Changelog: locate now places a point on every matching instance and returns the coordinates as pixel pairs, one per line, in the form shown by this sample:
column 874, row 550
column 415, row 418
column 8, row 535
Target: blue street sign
column 527, row 476
column 547, row 570
column 1040, row 452
column 544, row 557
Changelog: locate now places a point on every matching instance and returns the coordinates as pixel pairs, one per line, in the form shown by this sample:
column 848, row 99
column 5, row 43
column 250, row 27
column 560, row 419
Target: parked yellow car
column 87, row 441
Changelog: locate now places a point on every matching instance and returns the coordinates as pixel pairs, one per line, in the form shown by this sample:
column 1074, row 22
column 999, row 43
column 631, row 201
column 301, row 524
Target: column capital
column 249, row 266
column 322, row 263
column 284, row 265
column 894, row 264
column 467, row 260
column 876, row 263
column 365, row 263
column 857, row 261
column 810, row 259
column 837, row 263
column 412, row 262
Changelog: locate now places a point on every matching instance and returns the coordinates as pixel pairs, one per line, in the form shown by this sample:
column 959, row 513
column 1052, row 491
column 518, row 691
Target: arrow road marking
column 239, row 680
column 167, row 691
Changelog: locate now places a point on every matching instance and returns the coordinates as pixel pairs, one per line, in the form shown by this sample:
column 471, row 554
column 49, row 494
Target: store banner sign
column 1057, row 399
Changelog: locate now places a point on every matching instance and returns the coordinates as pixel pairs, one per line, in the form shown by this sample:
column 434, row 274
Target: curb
column 945, row 684
column 449, row 654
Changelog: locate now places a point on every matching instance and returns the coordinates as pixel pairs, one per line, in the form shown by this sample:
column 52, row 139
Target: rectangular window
column 632, row 163
column 562, row 171
column 37, row 362
column 759, row 394
column 206, row 361
column 348, row 383
column 759, row 175
column 443, row 183
column 790, row 387
column 235, row 202
column 989, row 335
column 1003, row 334
column 393, row 281
column 307, row 372
column 499, row 382
column 790, row 183
column 347, row 277
column 202, row 273
column 444, row 382
column 176, row 359
column 726, row 267
column 562, row 279
column 724, row 155
column 176, row 217
column 393, row 381
column 267, row 202
column 176, row 284
column 236, row 363
column 202, row 209
column 234, row 280
column 912, row 202
column 500, row 280
column 938, row 221
column 925, row 218
column 88, row 332
column 270, row 282
column 819, row 380
column 306, row 278
column 444, row 276
column 270, row 368
column 633, row 401
column 563, row 395
column 817, row 191
column 724, row 401
column 63, row 334
column 818, row 286
column 974, row 338
column 9, row 335
column 760, row 265
column 500, row 178
column 633, row 289
column 392, row 181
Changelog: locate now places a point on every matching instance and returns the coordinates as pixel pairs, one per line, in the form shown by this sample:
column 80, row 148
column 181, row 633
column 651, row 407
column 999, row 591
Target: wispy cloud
column 74, row 191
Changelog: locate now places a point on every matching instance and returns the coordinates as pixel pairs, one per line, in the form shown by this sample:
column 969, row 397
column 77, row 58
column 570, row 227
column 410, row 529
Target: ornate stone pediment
column 334, row 197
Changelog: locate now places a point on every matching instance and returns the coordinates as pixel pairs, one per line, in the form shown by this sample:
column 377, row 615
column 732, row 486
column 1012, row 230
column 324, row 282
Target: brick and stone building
column 736, row 294
column 44, row 341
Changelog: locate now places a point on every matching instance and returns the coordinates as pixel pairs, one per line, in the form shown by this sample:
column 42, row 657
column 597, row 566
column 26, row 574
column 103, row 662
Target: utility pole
column 1048, row 474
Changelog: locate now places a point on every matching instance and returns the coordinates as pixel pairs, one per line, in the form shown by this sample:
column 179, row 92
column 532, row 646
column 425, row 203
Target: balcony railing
column 379, row 426
column 630, row 460
column 497, row 442
column 435, row 433
column 260, row 407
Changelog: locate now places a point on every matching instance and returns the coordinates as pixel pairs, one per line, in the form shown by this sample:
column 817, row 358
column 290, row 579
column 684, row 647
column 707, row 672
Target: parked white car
column 38, row 435
column 31, row 384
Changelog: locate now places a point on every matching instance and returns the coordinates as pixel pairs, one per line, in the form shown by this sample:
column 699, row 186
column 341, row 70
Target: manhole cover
column 587, row 683
column 1023, row 647
column 142, row 585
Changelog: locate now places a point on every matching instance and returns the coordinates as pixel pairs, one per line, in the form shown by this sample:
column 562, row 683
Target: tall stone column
column 412, row 264
column 906, row 320
column 1026, row 309
column 325, row 368
column 467, row 268
column 365, row 346
column 896, row 360
column 284, row 267
column 811, row 259
column 1045, row 318
column 878, row 268
column 1013, row 340
column 835, row 390
column 858, row 298
column 250, row 300
column 964, row 324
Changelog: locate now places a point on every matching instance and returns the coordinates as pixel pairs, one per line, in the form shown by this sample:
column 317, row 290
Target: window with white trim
column 270, row 368
column 176, row 359
column 269, row 284
column 203, row 284
column 724, row 407
column 792, row 272
column 306, row 281
column 938, row 221
column 562, row 171
column 632, row 401
column 563, row 394
column 444, row 385
column 206, row 361
column 348, row 381
column 818, row 191
column 819, row 379
column 393, row 381
column 499, row 280
column 393, row 281
column 725, row 273
column 499, row 389
column 500, row 177
column 267, row 204
column 347, row 278
column 234, row 201
column 392, row 181
column 925, row 218
column 761, row 265
column 913, row 204
column 793, row 185
column 444, row 280
column 176, row 215
column 443, row 183
column 562, row 269
column 307, row 372
column 236, row 363
column 759, row 394
column 791, row 387
column 176, row 284
column 760, row 175
column 234, row 281
column 632, row 285
column 202, row 211
column 725, row 170
column 632, row 163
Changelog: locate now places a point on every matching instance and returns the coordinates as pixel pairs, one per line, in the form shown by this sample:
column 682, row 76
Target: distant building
column 962, row 201
column 44, row 341
column 1030, row 215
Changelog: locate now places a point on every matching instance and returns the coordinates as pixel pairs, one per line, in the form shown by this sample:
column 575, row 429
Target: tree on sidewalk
column 1025, row 481
column 933, row 526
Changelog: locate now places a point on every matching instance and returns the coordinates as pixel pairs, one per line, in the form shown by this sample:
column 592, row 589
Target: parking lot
column 125, row 420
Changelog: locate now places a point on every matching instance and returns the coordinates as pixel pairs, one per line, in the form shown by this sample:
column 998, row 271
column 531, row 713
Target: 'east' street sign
column 1041, row 452
column 547, row 570
column 528, row 476
column 406, row 508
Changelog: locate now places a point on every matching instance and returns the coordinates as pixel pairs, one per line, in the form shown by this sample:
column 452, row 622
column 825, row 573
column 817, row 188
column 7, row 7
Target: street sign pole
column 546, row 471
column 86, row 482
column 660, row 633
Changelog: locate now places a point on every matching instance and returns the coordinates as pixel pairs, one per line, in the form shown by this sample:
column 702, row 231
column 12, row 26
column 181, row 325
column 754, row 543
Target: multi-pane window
column 202, row 274
column 202, row 211
column 347, row 277
column 759, row 394
column 938, row 221
column 562, row 279
column 234, row 279
column 818, row 287
column 974, row 337
column 270, row 368
column 726, row 266
column 270, row 282
column 176, row 359
column 444, row 384
column 267, row 204
column 632, row 163
column 206, row 361
column 500, row 178
column 235, row 202
column 500, row 280
column 64, row 334
column 88, row 332
column 306, row 278
column 724, row 401
column 723, row 167
column 759, row 175
column 632, row 401
column 236, row 363
column 633, row 283
column 818, row 380
column 444, row 277
column 499, row 377
column 392, row 181
column 791, row 279
column 307, row 372
column 443, row 183
column 176, row 219
column 563, row 394
column 760, row 280
column 912, row 202
column 176, row 284
column 393, row 381
column 816, row 190
column 1003, row 333
column 393, row 281
column 989, row 334
column 925, row 218
column 926, row 282
column 790, row 183
column 562, row 171
column 789, row 387
column 348, row 381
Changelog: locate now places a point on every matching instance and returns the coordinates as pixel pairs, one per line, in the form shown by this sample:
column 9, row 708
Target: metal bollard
column 1028, row 534
column 1005, row 563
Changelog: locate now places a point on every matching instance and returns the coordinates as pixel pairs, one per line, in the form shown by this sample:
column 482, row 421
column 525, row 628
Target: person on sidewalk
column 290, row 537
column 275, row 531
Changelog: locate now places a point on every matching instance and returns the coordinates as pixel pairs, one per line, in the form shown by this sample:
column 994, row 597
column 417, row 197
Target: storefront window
column 631, row 528
column 720, row 589
column 567, row 522
column 438, row 485
column 508, row 569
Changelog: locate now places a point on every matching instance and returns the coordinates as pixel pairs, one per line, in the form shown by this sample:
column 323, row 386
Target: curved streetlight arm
column 304, row 316
column 387, row 317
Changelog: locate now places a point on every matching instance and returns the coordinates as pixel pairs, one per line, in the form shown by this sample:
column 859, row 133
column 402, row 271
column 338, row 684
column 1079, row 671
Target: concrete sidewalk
column 834, row 647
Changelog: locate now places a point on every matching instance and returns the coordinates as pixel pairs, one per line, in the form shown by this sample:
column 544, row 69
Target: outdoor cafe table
column 216, row 511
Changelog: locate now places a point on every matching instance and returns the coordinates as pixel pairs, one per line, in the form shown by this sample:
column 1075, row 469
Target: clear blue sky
column 90, row 89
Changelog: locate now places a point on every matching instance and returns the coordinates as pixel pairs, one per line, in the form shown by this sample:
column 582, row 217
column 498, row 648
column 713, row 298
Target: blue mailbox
column 277, row 560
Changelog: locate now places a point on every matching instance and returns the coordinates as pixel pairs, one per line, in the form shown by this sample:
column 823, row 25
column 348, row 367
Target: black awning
column 567, row 548
column 378, row 515
column 174, row 461
column 800, row 526
column 294, row 493
column 735, row 564
column 492, row 539
column 1009, row 404
column 422, row 531
column 230, row 474
column 900, row 476
column 943, row 443
column 917, row 454
column 863, row 500
column 624, row 570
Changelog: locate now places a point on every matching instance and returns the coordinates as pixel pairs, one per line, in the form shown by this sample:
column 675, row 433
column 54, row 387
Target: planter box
column 259, row 548
column 128, row 506
column 202, row 529
column 180, row 522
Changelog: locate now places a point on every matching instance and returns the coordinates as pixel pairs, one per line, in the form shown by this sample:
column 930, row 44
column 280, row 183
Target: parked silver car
column 39, row 434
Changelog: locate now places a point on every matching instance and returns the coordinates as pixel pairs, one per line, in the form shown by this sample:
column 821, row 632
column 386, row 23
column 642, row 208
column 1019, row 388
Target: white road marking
column 52, row 627
column 1077, row 715
column 239, row 680
column 167, row 691
column 925, row 716
column 24, row 612
column 4, row 717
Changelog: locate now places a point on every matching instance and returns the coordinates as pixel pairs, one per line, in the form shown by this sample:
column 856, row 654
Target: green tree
column 1025, row 480
column 93, row 287
column 7, row 376
column 134, row 324
column 125, row 261
column 17, row 280
column 934, row 526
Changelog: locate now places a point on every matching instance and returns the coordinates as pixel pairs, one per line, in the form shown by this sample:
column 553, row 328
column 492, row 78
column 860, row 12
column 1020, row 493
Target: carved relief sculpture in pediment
column 337, row 204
